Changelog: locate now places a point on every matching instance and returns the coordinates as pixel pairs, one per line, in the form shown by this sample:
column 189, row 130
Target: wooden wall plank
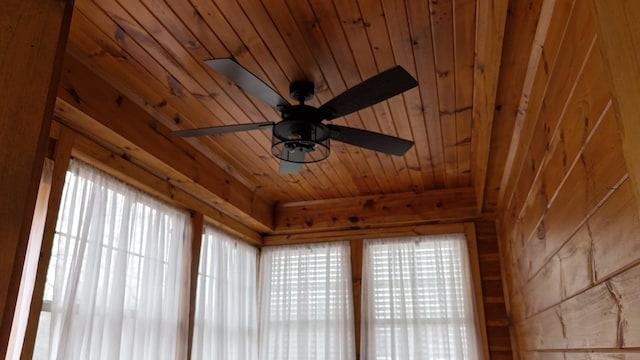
column 407, row 48
column 491, row 20
column 549, row 35
column 617, row 26
column 614, row 233
column 33, row 36
column 465, row 33
column 539, row 183
column 365, row 233
column 520, row 28
column 574, row 286
column 596, row 174
column 391, row 43
column 498, row 327
column 376, row 210
column 423, row 45
column 625, row 291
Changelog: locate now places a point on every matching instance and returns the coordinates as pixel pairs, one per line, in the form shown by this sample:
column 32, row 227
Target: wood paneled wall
column 568, row 220
column 496, row 319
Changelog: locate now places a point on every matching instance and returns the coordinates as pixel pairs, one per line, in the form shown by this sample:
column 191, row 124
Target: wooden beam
column 520, row 28
column 375, row 211
column 93, row 107
column 368, row 233
column 356, row 276
column 491, row 17
column 62, row 154
column 474, row 265
column 121, row 167
column 196, row 242
column 33, row 36
column 619, row 35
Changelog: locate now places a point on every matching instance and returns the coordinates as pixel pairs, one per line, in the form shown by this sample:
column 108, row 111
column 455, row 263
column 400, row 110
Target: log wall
column 568, row 219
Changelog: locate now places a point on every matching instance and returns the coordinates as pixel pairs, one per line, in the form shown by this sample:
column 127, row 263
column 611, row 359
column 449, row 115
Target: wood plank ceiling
column 153, row 52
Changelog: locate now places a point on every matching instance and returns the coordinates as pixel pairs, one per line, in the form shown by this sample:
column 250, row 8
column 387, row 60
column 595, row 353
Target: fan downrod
column 301, row 90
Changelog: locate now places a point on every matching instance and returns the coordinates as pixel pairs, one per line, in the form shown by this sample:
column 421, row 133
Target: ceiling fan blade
column 213, row 130
column 370, row 140
column 247, row 81
column 369, row 92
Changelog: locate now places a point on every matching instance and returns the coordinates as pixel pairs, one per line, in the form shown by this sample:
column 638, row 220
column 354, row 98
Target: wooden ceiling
column 151, row 54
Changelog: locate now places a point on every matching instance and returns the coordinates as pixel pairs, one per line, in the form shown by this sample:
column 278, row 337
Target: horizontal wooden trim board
column 356, row 234
column 376, row 211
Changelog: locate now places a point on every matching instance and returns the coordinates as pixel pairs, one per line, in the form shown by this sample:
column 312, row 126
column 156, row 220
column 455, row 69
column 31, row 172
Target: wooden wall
column 496, row 320
column 568, row 219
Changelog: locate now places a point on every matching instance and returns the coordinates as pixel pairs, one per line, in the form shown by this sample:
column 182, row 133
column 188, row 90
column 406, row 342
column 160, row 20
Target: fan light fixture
column 300, row 141
column 302, row 137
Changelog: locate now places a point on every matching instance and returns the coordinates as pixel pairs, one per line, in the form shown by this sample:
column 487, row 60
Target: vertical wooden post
column 61, row 158
column 197, row 229
column 33, row 36
column 474, row 264
column 619, row 34
column 356, row 275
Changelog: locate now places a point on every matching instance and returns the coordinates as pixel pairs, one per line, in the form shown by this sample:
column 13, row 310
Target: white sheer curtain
column 417, row 299
column 226, row 320
column 306, row 309
column 115, row 275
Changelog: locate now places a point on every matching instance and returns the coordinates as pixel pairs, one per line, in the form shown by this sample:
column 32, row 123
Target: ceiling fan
column 301, row 136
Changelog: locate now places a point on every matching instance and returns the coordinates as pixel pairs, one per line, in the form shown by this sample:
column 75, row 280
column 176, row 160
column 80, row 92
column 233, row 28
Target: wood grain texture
column 116, row 120
column 153, row 53
column 492, row 18
column 571, row 214
column 375, row 211
column 33, row 36
column 521, row 25
column 498, row 327
column 62, row 156
column 617, row 26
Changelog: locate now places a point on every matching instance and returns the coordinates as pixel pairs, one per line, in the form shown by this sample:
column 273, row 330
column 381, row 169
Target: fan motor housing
column 301, row 130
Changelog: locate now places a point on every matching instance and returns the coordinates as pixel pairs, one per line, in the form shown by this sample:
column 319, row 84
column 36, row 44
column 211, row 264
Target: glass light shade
column 292, row 137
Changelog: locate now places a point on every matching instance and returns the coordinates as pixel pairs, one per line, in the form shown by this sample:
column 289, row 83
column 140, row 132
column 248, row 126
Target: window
column 115, row 275
column 226, row 320
column 306, row 309
column 417, row 299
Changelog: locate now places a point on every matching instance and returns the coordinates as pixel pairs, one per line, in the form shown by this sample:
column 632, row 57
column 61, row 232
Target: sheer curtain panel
column 115, row 276
column 417, row 299
column 226, row 317
column 306, row 309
